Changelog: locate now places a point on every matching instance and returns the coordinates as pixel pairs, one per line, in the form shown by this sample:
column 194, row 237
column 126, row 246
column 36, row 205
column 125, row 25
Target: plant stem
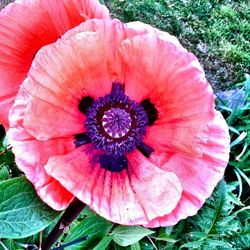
column 69, row 215
column 6, row 150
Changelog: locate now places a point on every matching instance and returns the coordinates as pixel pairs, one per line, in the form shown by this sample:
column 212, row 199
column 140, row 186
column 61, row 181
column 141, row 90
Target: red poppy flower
column 121, row 117
column 28, row 25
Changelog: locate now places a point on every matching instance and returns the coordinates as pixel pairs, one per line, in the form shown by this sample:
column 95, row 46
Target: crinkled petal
column 133, row 196
column 174, row 81
column 66, row 14
column 59, row 77
column 43, row 119
column 167, row 74
column 28, row 25
column 112, row 33
column 5, row 105
column 198, row 175
column 31, row 156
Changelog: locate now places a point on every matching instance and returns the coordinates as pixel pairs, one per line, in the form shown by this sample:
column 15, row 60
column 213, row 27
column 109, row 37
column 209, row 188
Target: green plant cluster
column 222, row 223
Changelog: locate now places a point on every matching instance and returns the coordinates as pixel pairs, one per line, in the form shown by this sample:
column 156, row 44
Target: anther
column 81, row 139
column 151, row 111
column 85, row 103
column 145, row 149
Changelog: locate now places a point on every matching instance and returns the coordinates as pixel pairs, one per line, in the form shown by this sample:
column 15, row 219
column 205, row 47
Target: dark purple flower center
column 115, row 123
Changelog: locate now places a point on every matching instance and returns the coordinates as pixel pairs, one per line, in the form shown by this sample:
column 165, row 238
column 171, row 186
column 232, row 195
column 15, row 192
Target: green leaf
column 145, row 245
column 234, row 130
column 215, row 225
column 243, row 176
column 94, row 227
column 125, row 236
column 170, row 240
column 165, row 235
column 87, row 212
column 10, row 245
column 218, row 243
column 4, row 172
column 135, row 246
column 168, row 230
column 194, row 244
column 103, row 244
column 239, row 139
column 22, row 213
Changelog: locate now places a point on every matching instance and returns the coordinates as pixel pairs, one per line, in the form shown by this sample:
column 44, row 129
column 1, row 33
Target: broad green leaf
column 145, row 245
column 4, row 172
column 125, row 236
column 136, row 246
column 87, row 212
column 94, row 227
column 22, row 213
column 103, row 244
column 218, row 243
column 9, row 245
column 193, row 244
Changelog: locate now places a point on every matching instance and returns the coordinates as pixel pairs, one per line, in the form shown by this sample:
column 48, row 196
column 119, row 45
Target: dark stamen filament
column 81, row 139
column 145, row 149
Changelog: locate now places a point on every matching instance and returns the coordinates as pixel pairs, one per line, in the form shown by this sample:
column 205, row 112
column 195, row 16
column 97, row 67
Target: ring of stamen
column 115, row 123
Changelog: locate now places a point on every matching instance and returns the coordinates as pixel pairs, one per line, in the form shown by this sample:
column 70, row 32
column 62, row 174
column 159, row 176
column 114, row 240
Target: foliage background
column 218, row 32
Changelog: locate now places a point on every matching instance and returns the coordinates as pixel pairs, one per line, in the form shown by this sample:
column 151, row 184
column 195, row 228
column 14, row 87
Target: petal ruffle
column 58, row 79
column 31, row 156
column 198, row 175
column 133, row 196
column 174, row 81
column 66, row 14
column 113, row 33
column 165, row 71
column 5, row 106
column 60, row 75
column 28, row 25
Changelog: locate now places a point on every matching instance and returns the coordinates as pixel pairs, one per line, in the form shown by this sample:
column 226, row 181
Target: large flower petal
column 133, row 196
column 198, row 175
column 31, row 156
column 66, row 14
column 28, row 25
column 163, row 68
column 113, row 33
column 59, row 77
column 173, row 80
